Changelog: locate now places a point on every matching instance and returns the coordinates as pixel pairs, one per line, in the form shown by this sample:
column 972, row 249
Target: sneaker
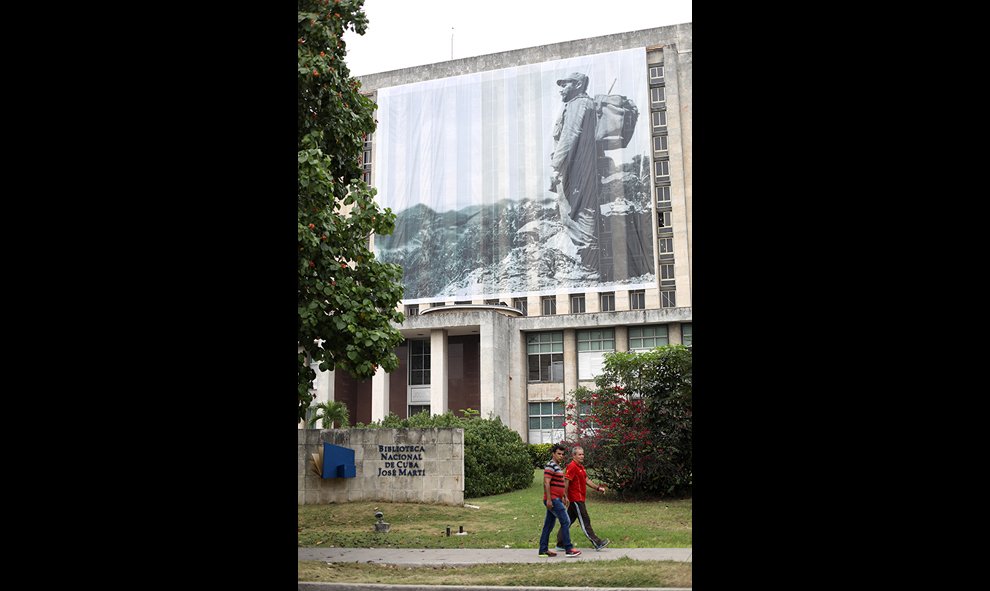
column 573, row 552
column 547, row 554
column 561, row 548
column 604, row 543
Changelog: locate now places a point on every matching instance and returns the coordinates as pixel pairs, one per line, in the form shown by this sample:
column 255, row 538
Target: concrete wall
column 439, row 467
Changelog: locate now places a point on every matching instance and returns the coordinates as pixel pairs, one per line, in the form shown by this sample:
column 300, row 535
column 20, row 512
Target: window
column 590, row 426
column 662, row 168
column 577, row 303
column 659, row 120
column 666, row 245
column 418, row 408
column 546, row 422
column 647, row 337
column 412, row 310
column 686, row 335
column 419, row 362
column 660, row 143
column 519, row 304
column 437, row 304
column 656, row 74
column 663, row 194
column 663, row 219
column 592, row 346
column 491, row 302
column 637, row 299
column 549, row 305
column 545, row 354
column 607, row 301
column 366, row 158
column 658, row 96
column 667, row 299
column 667, row 271
column 462, row 302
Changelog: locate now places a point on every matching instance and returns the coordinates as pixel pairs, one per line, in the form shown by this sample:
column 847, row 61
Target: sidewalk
column 472, row 556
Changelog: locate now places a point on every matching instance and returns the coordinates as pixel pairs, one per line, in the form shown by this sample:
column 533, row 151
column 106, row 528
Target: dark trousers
column 578, row 513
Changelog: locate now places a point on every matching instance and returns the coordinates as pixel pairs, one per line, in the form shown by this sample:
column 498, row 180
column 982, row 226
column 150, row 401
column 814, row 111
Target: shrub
column 539, row 453
column 637, row 426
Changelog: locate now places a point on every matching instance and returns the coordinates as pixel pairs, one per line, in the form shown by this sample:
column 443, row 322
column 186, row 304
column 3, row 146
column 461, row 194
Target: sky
column 406, row 33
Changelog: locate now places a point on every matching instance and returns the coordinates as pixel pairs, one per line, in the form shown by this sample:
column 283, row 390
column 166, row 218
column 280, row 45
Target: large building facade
column 528, row 253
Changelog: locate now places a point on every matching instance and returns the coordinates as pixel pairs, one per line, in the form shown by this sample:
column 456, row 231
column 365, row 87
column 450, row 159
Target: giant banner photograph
column 517, row 181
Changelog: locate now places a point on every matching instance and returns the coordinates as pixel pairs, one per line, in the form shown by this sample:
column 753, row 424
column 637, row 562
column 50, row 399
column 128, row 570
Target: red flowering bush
column 635, row 426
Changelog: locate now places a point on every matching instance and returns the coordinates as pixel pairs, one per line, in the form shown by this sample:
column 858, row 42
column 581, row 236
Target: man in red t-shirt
column 576, row 479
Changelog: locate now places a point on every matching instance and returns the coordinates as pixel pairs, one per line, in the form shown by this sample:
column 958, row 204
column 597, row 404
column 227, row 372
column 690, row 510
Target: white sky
column 406, row 33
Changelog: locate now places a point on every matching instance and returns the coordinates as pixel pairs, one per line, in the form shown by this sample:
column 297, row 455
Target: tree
column 636, row 426
column 346, row 298
column 331, row 414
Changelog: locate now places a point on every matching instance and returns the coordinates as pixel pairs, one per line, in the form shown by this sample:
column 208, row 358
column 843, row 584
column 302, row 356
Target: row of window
column 661, row 173
column 606, row 300
column 545, row 350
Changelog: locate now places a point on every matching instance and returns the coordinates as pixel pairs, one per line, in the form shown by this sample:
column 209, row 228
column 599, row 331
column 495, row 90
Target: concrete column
column 570, row 374
column 496, row 368
column 621, row 338
column 379, row 395
column 438, row 371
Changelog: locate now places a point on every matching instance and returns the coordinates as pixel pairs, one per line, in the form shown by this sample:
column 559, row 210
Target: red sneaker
column 573, row 552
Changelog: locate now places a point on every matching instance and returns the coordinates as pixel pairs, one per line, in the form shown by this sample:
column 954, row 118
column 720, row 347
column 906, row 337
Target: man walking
column 555, row 499
column 576, row 479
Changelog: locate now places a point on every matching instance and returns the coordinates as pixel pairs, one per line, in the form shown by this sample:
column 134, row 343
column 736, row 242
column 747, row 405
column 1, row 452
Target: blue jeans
column 559, row 513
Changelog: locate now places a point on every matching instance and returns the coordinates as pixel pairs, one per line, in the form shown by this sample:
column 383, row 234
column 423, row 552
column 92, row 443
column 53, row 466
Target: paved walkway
column 472, row 556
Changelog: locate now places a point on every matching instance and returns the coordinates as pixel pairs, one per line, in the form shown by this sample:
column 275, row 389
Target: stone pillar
column 496, row 367
column 621, row 338
column 570, row 375
column 438, row 371
column 379, row 395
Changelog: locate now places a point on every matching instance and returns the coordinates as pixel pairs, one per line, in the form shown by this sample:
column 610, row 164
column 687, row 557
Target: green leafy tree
column 636, row 426
column 330, row 414
column 346, row 298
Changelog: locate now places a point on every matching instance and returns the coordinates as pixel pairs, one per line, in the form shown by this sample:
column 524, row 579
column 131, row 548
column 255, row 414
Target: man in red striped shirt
column 555, row 500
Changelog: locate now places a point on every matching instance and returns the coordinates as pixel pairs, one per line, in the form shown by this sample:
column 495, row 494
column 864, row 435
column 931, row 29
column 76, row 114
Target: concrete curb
column 472, row 556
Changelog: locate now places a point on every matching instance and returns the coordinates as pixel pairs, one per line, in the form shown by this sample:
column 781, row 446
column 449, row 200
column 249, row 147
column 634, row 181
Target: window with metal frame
column 607, row 301
column 667, row 299
column 663, row 194
column 577, row 303
column 545, row 356
column 659, row 143
column 666, row 271
column 546, row 422
column 549, row 305
column 419, row 362
column 663, row 219
column 644, row 338
column 686, row 334
column 418, row 408
column 637, row 299
column 659, row 119
column 658, row 95
column 666, row 245
column 412, row 310
column 519, row 304
column 656, row 74
column 662, row 169
column 592, row 345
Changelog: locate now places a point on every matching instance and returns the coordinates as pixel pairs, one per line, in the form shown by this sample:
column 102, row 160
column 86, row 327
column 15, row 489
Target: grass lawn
column 511, row 519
